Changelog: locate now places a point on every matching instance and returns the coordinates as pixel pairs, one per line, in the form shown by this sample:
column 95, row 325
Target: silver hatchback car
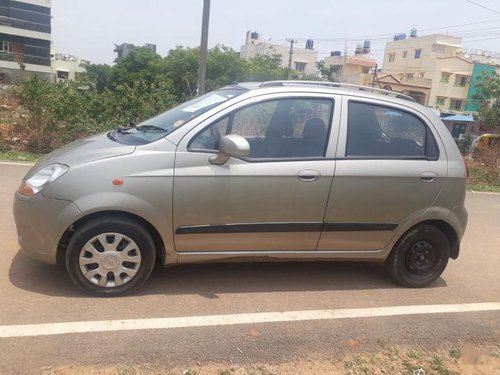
column 281, row 170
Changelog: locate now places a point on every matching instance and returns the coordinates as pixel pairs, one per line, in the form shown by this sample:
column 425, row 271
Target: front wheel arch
column 68, row 234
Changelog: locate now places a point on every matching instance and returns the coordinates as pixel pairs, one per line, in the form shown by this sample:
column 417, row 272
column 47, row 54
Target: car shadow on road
column 210, row 280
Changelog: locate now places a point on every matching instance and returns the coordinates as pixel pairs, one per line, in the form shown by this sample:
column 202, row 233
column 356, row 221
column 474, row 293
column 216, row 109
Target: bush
column 464, row 145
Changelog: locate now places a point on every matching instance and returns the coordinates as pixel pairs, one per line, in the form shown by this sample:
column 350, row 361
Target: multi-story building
column 303, row 59
column 25, row 34
column 355, row 69
column 435, row 70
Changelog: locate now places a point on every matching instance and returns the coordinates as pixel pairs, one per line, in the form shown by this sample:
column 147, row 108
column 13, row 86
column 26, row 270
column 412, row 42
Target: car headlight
column 41, row 178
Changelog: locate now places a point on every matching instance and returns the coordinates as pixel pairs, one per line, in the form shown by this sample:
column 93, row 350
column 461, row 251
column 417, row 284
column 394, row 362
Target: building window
column 409, row 75
column 418, row 53
column 392, row 56
column 61, row 74
column 405, row 54
column 456, row 104
column 461, row 81
column 300, row 66
column 365, row 70
column 445, row 77
column 422, row 74
column 6, row 47
column 440, row 100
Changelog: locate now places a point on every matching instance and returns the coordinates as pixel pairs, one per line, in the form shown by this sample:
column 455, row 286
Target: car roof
column 325, row 87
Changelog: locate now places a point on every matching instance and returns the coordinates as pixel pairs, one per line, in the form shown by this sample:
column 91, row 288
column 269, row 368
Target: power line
column 483, row 6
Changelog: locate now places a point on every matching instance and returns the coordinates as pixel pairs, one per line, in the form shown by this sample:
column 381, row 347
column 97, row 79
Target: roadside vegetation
column 37, row 116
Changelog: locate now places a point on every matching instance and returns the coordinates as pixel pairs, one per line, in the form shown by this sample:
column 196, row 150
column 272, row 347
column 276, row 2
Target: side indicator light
column 117, row 182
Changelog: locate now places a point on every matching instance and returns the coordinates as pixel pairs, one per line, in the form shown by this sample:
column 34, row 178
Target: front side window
column 380, row 131
column 286, row 128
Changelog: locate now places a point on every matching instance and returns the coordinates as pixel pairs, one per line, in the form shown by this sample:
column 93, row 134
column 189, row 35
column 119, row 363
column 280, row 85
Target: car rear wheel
column 419, row 257
column 110, row 256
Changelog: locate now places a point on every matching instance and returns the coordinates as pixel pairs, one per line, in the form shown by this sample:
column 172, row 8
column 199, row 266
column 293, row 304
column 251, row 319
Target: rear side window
column 380, row 131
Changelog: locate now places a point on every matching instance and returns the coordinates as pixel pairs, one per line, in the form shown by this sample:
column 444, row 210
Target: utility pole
column 202, row 64
column 375, row 77
column 344, row 63
column 292, row 42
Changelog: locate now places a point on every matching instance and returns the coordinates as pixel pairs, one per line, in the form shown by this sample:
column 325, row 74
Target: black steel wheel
column 419, row 257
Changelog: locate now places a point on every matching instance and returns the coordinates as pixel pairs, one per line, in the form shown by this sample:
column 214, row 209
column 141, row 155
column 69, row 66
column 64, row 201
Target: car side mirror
column 230, row 145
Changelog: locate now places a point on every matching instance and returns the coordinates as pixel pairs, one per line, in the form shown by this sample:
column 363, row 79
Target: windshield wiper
column 124, row 129
column 151, row 127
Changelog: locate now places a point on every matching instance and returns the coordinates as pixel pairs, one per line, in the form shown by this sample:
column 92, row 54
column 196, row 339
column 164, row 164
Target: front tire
column 110, row 256
column 419, row 257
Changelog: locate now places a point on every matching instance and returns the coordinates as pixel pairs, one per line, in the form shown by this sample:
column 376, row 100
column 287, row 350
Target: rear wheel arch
column 450, row 233
column 68, row 233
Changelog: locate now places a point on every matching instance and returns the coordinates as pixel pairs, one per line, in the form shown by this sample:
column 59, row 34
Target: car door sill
column 205, row 256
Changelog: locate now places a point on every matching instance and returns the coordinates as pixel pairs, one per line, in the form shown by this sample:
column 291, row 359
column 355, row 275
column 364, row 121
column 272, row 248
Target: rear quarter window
column 378, row 131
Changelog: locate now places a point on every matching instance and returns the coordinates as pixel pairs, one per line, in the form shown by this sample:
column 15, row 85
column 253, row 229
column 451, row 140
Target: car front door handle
column 428, row 176
column 308, row 175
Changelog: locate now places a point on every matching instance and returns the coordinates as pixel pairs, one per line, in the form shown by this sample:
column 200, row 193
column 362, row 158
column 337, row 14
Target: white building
column 436, row 70
column 303, row 59
column 25, row 34
column 66, row 67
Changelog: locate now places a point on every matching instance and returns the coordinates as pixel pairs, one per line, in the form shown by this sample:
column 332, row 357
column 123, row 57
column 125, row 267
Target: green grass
column 482, row 179
column 18, row 156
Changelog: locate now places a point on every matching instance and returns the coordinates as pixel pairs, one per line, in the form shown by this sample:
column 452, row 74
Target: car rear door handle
column 428, row 176
column 308, row 175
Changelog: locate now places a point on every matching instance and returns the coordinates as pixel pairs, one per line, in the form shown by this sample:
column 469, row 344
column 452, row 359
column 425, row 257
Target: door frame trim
column 284, row 227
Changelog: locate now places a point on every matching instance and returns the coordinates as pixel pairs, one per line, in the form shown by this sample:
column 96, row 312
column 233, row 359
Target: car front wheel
column 419, row 257
column 110, row 256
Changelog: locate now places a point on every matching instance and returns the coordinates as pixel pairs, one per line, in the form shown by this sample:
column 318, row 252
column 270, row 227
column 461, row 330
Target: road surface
column 262, row 311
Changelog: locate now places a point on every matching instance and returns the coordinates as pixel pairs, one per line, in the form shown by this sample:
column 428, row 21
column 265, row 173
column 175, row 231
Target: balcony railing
column 25, row 59
column 26, row 25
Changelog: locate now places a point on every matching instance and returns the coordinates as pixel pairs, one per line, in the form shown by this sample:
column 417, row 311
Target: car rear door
column 389, row 169
column 275, row 199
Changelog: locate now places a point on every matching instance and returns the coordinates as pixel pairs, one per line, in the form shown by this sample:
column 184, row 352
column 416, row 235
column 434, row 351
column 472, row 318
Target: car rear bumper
column 40, row 223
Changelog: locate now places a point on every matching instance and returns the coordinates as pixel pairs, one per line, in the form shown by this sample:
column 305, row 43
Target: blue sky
column 88, row 28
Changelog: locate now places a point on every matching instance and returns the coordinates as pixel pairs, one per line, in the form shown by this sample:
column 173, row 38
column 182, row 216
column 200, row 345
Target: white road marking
column 15, row 163
column 9, row 331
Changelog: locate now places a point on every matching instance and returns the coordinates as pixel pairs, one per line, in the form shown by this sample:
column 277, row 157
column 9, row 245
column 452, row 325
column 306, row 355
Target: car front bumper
column 40, row 223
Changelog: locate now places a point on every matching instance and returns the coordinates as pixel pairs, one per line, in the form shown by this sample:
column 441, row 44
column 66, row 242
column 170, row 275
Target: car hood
column 84, row 150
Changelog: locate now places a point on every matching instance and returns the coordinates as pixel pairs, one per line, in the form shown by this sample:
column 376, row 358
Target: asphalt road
column 33, row 293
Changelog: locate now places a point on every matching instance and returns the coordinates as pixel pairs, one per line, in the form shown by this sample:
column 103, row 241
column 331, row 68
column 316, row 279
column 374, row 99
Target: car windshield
column 167, row 122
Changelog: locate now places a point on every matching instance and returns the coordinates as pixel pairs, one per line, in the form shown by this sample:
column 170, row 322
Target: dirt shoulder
column 469, row 360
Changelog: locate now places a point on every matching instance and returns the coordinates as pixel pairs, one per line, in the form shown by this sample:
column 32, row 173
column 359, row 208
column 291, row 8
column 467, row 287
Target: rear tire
column 419, row 257
column 110, row 256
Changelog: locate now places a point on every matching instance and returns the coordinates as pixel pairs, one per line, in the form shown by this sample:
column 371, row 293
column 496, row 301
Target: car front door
column 273, row 200
column 389, row 169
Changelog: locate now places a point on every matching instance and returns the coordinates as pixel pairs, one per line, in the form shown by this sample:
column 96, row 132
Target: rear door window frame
column 431, row 133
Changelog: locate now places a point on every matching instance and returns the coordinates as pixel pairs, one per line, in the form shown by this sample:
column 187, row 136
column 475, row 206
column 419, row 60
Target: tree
column 330, row 73
column 488, row 96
